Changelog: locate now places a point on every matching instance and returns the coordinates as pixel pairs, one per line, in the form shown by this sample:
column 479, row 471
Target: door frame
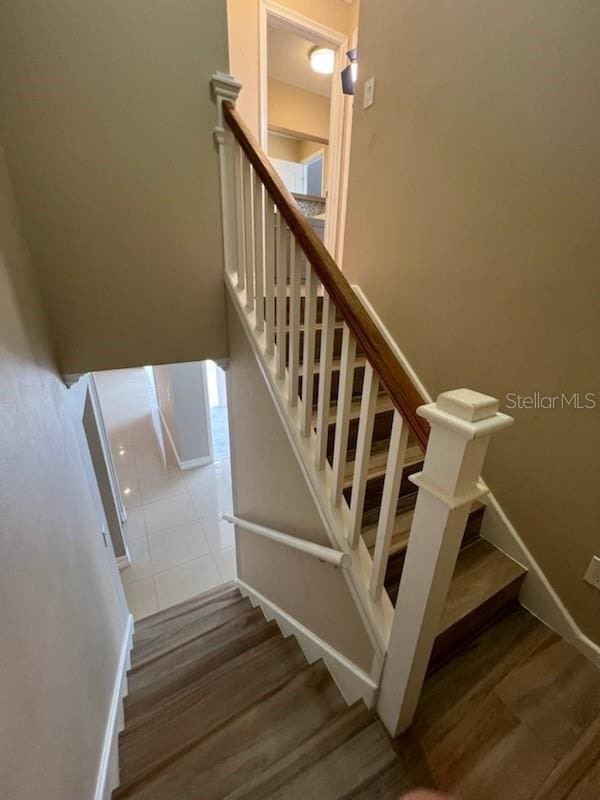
column 308, row 160
column 309, row 29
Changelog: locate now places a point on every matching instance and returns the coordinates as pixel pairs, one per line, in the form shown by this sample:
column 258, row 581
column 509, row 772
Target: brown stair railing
column 403, row 393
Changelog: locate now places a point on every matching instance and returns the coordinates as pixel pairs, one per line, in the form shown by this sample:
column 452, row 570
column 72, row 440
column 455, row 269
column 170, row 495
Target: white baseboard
column 108, row 769
column 537, row 594
column 191, row 463
column 124, row 561
column 353, row 682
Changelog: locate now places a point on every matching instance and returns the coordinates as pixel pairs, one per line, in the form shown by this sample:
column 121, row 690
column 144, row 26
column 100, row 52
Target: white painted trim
column 353, row 682
column 108, row 769
column 124, row 561
column 191, row 463
column 211, row 449
column 309, row 28
column 347, row 112
column 376, row 616
column 537, row 594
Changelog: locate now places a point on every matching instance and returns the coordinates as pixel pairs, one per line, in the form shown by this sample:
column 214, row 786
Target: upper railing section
column 403, row 394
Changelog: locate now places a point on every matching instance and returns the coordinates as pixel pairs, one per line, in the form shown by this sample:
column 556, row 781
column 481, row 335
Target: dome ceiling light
column 322, row 60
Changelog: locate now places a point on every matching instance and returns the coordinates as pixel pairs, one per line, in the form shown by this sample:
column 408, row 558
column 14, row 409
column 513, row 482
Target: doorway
column 304, row 115
column 173, row 485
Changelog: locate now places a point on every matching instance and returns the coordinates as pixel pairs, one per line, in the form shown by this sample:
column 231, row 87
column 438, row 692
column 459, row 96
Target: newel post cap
column 469, row 413
column 225, row 86
column 467, row 404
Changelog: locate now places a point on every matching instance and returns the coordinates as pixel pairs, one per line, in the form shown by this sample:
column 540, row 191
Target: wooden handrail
column 392, row 375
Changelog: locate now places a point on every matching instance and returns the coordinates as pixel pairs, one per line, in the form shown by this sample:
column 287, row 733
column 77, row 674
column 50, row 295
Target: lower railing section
column 286, row 291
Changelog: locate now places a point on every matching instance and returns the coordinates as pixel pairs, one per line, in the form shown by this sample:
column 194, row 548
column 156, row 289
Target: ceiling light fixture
column 322, row 60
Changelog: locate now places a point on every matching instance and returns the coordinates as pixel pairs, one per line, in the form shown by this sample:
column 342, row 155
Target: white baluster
column 269, row 273
column 283, row 236
column 248, row 174
column 259, row 249
column 308, row 365
column 238, row 157
column 368, row 406
column 342, row 421
column 389, row 504
column 324, row 398
column 461, row 423
column 295, row 255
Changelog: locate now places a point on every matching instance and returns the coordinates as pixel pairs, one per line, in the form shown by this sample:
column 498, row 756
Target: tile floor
column 178, row 545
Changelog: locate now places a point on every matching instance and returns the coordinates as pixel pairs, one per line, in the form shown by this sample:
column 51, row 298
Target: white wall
column 62, row 608
column 183, row 401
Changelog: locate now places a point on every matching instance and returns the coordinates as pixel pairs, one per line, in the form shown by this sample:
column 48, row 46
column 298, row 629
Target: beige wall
column 270, row 489
column 283, row 147
column 63, row 612
column 243, row 28
column 297, row 110
column 106, row 119
column 473, row 229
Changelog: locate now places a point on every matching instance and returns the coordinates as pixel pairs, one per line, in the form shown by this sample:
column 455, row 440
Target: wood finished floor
column 220, row 705
column 515, row 716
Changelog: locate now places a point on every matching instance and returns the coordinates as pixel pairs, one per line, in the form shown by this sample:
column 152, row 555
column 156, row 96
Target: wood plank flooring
column 221, row 706
column 515, row 716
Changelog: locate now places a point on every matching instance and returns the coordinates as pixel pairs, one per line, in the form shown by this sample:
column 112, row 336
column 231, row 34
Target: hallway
column 178, row 546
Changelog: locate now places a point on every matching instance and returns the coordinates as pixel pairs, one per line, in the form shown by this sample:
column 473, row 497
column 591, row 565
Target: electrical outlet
column 592, row 573
column 369, row 93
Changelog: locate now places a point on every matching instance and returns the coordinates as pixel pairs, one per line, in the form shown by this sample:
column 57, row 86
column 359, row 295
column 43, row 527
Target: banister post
column 462, row 422
column 224, row 87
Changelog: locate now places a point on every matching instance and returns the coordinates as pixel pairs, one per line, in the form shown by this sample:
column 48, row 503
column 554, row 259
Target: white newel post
column 224, row 87
column 462, row 422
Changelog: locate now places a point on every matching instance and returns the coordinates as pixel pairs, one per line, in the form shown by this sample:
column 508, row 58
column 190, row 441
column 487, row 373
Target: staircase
column 396, row 480
column 486, row 583
column 220, row 705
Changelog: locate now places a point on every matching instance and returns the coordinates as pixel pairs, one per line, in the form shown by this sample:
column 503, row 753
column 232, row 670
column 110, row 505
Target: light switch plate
column 592, row 573
column 369, row 93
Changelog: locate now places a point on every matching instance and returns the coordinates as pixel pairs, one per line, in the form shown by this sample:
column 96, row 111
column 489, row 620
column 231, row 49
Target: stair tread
column 401, row 530
column 177, row 629
column 336, row 731
column 203, row 704
column 199, row 600
column 481, row 572
column 164, row 675
column 369, row 752
column 384, row 404
column 249, row 743
column 378, row 460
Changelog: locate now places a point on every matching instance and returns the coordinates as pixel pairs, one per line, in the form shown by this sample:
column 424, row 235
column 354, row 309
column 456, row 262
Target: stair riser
column 359, row 374
column 396, row 562
column 374, row 491
column 381, row 432
column 319, row 314
column 457, row 637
